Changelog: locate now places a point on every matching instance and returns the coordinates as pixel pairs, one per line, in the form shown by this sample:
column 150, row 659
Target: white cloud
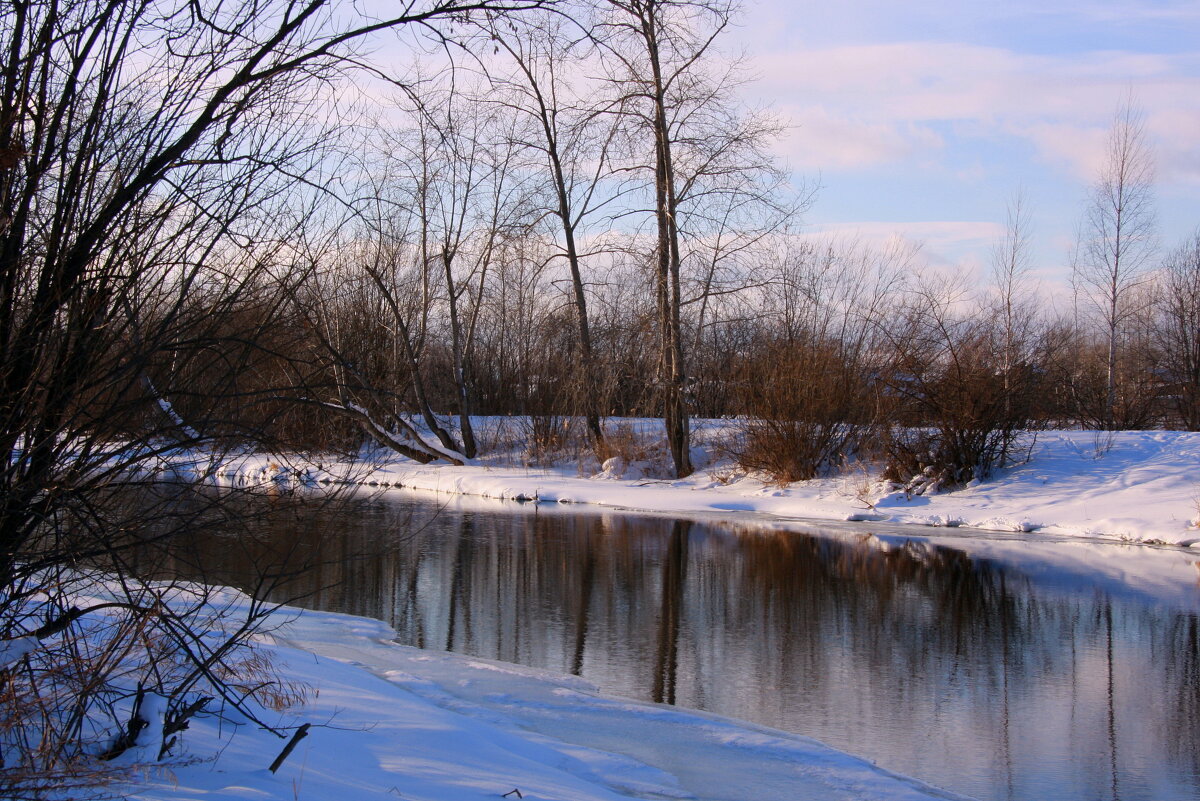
column 821, row 138
column 865, row 105
column 1080, row 148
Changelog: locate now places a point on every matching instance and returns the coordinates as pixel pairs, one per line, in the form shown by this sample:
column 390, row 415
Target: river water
column 984, row 664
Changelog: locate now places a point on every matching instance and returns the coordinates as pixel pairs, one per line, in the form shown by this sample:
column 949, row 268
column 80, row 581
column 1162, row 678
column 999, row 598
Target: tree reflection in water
column 957, row 670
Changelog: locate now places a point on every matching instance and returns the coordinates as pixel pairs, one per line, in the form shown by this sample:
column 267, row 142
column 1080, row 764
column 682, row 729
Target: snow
column 13, row 651
column 1139, row 486
column 153, row 711
column 389, row 721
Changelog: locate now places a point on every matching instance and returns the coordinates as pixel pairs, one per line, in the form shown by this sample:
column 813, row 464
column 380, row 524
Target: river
column 995, row 666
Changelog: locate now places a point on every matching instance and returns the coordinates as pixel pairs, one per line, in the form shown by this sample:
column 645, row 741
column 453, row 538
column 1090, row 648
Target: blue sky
column 923, row 118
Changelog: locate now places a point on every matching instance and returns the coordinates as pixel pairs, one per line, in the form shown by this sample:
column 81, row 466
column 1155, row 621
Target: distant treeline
column 828, row 351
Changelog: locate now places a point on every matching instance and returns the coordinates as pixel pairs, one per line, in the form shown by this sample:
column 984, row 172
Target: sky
column 924, row 118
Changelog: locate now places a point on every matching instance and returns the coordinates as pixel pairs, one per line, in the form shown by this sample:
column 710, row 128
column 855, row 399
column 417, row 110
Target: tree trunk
column 460, row 379
column 672, row 373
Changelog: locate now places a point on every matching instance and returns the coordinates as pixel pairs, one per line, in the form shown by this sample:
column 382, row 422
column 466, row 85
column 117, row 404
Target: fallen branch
column 300, row 734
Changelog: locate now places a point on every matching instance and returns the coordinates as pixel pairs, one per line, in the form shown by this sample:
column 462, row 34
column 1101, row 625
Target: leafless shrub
column 627, row 448
column 552, row 437
column 1076, row 386
column 807, row 385
column 956, row 410
column 808, row 410
column 123, row 663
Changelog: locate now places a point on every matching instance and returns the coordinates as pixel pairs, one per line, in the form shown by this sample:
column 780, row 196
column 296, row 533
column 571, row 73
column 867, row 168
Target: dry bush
column 252, row 673
column 1135, row 400
column 630, row 448
column 808, row 410
column 71, row 704
column 955, row 410
column 551, row 438
column 622, row 441
column 47, row 740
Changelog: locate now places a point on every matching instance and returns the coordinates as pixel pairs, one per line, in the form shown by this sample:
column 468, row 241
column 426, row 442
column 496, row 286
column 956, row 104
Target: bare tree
column 363, row 355
column 471, row 197
column 1117, row 239
column 664, row 60
column 1178, row 330
column 400, row 274
column 1014, row 312
column 574, row 136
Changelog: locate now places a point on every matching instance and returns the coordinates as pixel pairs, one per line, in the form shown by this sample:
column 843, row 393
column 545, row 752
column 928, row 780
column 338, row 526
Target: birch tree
column 1015, row 314
column 1117, row 240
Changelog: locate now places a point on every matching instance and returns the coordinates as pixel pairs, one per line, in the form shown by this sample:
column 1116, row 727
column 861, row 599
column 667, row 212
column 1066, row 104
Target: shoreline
column 1144, row 488
column 394, row 721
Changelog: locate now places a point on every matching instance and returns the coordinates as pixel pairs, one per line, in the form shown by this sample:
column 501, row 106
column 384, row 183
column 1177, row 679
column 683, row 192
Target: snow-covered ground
column 392, row 722
column 1141, row 486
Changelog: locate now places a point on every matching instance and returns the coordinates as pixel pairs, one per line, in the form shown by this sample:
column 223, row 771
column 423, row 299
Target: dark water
column 997, row 676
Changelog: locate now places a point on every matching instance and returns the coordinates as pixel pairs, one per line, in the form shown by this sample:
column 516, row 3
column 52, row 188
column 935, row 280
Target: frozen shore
column 1137, row 486
column 392, row 722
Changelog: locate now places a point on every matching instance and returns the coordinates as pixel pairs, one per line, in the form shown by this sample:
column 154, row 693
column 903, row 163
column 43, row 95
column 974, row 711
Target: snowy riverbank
column 396, row 722
column 1140, row 486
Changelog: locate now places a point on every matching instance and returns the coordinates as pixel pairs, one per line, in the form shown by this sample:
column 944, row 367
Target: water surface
column 992, row 667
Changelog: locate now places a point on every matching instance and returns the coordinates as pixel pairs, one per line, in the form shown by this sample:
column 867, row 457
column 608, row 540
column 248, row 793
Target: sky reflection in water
column 975, row 666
